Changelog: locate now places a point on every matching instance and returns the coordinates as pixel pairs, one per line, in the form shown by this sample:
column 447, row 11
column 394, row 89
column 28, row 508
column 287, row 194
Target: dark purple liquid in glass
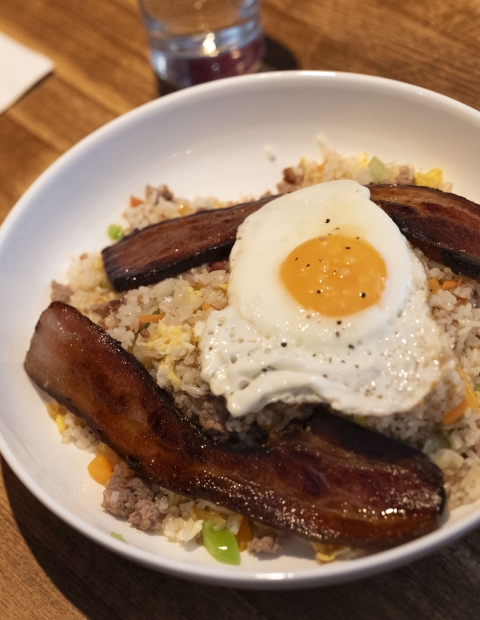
column 236, row 62
column 205, row 56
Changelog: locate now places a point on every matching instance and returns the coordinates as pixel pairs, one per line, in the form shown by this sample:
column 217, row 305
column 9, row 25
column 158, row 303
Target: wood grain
column 48, row 570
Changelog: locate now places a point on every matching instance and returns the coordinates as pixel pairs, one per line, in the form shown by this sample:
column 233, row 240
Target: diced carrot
column 100, row 469
column 244, row 535
column 434, row 285
column 135, row 202
column 470, row 394
column 449, row 284
column 206, row 307
column 150, row 318
column 449, row 417
column 111, row 455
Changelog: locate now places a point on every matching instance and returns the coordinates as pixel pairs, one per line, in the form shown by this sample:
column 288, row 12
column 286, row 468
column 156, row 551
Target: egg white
column 265, row 347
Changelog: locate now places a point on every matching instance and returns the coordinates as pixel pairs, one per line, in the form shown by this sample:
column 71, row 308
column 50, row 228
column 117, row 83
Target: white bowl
column 212, row 139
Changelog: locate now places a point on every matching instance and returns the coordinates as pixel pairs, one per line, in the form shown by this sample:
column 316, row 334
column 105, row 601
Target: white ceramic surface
column 207, row 140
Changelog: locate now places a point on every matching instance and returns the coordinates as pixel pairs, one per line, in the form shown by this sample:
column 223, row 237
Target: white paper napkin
column 20, row 69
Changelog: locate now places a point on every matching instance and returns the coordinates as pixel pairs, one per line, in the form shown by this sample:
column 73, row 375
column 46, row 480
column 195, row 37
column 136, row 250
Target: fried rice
column 161, row 325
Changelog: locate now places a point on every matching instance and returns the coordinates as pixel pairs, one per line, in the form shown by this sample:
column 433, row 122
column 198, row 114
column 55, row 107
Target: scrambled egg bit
column 173, row 343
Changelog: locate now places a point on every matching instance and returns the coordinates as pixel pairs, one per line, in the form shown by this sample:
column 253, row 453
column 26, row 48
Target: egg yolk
column 334, row 275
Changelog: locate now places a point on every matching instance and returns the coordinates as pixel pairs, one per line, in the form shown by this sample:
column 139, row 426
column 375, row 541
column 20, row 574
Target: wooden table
column 47, row 570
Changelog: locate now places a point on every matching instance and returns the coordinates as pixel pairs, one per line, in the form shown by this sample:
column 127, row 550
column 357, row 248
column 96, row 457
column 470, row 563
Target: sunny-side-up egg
column 326, row 302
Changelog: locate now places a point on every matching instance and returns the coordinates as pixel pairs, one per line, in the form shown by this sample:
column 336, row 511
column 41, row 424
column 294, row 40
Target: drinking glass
column 194, row 41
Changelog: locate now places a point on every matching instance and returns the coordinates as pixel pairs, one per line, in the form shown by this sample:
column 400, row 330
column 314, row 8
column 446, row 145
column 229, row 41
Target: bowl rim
column 317, row 575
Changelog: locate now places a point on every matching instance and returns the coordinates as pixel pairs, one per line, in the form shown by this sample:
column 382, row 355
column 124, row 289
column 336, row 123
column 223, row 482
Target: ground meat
column 105, row 308
column 265, row 539
column 292, row 179
column 264, row 544
column 213, row 416
column 123, row 491
column 294, row 176
column 146, row 516
column 404, row 176
column 60, row 292
column 153, row 194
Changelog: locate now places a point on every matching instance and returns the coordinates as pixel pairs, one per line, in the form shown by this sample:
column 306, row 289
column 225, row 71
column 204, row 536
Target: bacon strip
column 443, row 225
column 326, row 479
column 446, row 227
column 171, row 247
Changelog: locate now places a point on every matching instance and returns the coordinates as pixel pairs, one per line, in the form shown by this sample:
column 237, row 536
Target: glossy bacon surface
column 326, row 479
column 166, row 249
column 445, row 226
